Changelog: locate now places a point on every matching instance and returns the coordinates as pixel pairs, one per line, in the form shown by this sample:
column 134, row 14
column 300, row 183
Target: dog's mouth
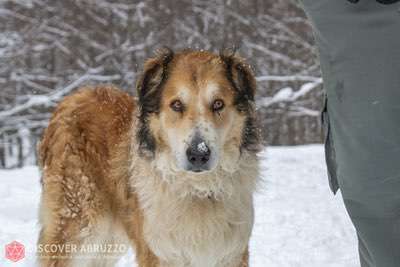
column 208, row 195
column 197, row 171
column 199, row 184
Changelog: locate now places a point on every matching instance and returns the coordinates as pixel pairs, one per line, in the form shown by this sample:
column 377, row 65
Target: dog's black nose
column 198, row 154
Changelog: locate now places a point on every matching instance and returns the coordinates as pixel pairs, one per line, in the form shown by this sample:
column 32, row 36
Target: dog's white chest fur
column 196, row 231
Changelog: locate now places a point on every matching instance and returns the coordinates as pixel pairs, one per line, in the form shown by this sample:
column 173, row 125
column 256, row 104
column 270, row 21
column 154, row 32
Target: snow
column 299, row 223
column 8, row 40
column 287, row 94
column 202, row 147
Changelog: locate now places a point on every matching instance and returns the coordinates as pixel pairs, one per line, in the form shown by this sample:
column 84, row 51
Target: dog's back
column 75, row 153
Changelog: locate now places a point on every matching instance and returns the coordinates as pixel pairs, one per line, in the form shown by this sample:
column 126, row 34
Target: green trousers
column 359, row 47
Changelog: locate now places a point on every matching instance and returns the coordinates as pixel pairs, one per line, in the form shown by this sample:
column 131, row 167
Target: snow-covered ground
column 299, row 223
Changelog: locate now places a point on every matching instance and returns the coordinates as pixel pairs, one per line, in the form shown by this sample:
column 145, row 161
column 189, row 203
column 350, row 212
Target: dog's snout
column 198, row 155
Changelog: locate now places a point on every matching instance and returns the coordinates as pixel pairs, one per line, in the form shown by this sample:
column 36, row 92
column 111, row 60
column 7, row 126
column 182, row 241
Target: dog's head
column 196, row 111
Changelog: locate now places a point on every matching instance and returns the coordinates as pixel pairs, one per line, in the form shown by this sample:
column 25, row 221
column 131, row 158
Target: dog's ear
column 154, row 74
column 243, row 82
column 149, row 89
column 241, row 77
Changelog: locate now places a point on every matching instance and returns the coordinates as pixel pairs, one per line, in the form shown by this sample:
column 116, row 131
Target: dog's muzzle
column 198, row 155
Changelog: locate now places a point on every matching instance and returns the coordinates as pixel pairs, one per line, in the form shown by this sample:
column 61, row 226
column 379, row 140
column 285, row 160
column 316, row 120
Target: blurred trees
column 48, row 48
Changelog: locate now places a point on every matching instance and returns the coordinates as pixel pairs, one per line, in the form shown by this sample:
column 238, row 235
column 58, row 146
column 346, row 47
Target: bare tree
column 50, row 48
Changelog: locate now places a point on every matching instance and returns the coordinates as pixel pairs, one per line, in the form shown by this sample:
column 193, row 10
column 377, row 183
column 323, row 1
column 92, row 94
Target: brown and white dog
column 171, row 173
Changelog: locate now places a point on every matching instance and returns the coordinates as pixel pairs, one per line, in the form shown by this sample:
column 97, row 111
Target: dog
column 170, row 173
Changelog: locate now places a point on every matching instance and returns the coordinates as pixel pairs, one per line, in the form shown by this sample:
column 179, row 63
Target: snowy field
column 299, row 223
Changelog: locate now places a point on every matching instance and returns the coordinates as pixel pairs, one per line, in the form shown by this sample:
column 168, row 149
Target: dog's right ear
column 149, row 91
column 154, row 74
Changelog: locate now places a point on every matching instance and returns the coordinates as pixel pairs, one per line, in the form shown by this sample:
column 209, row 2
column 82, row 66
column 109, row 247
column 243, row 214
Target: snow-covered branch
column 49, row 99
column 287, row 94
column 275, row 55
column 289, row 78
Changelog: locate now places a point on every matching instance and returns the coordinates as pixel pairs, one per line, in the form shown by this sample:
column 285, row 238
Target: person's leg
column 365, row 256
column 359, row 48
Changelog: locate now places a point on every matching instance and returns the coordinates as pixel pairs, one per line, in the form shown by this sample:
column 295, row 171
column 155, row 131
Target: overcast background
column 49, row 48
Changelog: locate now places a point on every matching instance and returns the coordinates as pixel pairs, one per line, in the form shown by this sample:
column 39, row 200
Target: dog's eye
column 218, row 105
column 177, row 106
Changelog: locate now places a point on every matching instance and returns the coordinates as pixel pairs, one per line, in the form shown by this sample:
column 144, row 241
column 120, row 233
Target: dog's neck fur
column 196, row 220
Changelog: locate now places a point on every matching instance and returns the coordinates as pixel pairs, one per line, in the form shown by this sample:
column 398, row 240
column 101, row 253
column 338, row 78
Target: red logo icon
column 15, row 251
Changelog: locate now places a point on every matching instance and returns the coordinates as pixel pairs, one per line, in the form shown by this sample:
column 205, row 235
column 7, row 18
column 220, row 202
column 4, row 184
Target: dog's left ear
column 241, row 77
column 243, row 82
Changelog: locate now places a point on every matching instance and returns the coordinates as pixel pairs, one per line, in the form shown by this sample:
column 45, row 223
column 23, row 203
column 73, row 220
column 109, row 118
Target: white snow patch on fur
column 202, row 147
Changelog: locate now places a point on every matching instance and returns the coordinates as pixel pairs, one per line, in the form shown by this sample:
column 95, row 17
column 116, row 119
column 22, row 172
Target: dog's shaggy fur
column 113, row 170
